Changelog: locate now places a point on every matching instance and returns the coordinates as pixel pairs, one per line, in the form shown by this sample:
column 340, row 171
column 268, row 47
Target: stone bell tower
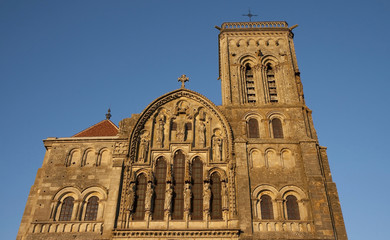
column 258, row 64
column 283, row 178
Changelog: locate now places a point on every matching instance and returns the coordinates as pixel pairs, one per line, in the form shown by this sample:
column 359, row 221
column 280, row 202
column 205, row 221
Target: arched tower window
column 92, row 209
column 277, row 128
column 292, row 208
column 140, row 196
column 253, row 128
column 266, row 207
column 216, row 201
column 66, row 209
column 270, row 74
column 250, row 84
column 160, row 187
column 197, row 189
column 178, row 173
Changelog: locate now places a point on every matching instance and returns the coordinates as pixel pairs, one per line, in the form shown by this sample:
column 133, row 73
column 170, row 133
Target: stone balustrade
column 56, row 227
column 288, row 226
column 241, row 25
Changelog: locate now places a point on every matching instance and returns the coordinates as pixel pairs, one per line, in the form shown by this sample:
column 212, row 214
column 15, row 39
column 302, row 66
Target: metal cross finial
column 183, row 79
column 250, row 15
column 108, row 114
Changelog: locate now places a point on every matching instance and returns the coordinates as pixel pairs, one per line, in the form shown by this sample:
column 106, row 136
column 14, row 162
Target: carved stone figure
column 131, row 196
column 206, row 197
column 202, row 133
column 217, row 148
column 181, row 131
column 149, row 197
column 168, row 198
column 187, row 197
column 160, row 130
column 225, row 196
column 143, row 149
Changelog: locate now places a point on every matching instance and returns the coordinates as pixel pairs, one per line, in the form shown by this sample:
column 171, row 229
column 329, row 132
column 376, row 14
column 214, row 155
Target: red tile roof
column 102, row 129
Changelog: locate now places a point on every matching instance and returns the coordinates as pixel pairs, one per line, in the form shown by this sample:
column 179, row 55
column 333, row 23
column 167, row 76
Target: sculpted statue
column 187, row 197
column 168, row 198
column 206, row 197
column 149, row 196
column 181, row 131
column 202, row 133
column 217, row 147
column 225, row 196
column 131, row 196
column 143, row 149
column 160, row 129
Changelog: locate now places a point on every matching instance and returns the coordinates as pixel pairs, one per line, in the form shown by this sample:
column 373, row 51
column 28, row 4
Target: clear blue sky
column 63, row 63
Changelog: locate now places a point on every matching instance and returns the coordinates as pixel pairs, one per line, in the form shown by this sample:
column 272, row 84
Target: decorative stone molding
column 138, row 234
column 61, row 227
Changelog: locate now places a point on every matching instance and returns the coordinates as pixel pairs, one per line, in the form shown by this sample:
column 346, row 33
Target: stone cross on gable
column 183, row 79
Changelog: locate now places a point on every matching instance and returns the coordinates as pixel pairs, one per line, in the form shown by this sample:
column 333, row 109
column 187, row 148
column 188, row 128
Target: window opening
column 92, row 209
column 292, row 208
column 250, row 84
column 273, row 96
column 160, row 173
column 197, row 189
column 253, row 128
column 66, row 209
column 266, row 207
column 140, row 195
column 277, row 128
column 178, row 173
column 216, row 201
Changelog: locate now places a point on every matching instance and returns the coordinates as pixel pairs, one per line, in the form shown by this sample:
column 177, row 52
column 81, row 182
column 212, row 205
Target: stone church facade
column 185, row 168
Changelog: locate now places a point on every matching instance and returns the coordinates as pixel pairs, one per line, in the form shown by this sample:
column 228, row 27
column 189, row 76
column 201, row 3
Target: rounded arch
column 68, row 191
column 73, row 157
column 253, row 114
column 269, row 60
column 94, row 191
column 182, row 94
column 293, row 190
column 247, row 58
column 274, row 114
column 265, row 189
column 104, row 156
column 89, row 157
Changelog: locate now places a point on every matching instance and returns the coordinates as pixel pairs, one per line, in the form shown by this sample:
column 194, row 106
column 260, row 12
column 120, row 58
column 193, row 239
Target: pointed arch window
column 160, row 187
column 253, row 128
column 266, row 207
column 250, row 84
column 140, row 197
column 197, row 189
column 277, row 128
column 292, row 208
column 216, row 200
column 66, row 209
column 178, row 173
column 92, row 209
column 270, row 74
